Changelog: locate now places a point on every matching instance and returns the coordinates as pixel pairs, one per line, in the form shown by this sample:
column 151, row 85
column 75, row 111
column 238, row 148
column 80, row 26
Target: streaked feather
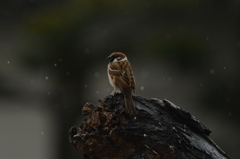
column 122, row 75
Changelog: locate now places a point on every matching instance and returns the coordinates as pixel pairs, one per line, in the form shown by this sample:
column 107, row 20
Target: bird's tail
column 129, row 107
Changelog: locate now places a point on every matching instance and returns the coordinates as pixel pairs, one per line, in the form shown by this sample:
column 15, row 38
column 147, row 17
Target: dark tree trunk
column 160, row 130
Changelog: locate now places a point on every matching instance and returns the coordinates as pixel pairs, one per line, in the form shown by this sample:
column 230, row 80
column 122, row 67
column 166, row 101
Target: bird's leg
column 113, row 92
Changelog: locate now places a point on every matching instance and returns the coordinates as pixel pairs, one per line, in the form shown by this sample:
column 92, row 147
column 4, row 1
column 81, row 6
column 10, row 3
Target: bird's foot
column 113, row 93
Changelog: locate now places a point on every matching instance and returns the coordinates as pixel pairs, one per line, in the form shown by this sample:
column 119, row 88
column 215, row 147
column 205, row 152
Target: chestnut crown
column 117, row 57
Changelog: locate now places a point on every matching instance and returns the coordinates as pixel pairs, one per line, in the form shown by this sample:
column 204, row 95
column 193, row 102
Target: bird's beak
column 109, row 57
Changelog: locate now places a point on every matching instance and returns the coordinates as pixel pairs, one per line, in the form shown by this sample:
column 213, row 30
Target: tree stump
column 160, row 130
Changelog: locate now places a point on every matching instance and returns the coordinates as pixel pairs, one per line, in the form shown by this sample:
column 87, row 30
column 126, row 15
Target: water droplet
column 201, row 84
column 224, row 68
column 55, row 65
column 8, row 62
column 46, row 77
column 86, row 51
column 85, row 86
column 97, row 74
column 142, row 88
column 104, row 31
column 144, row 74
column 227, row 99
column 212, row 71
column 207, row 38
column 144, row 135
column 32, row 80
column 135, row 118
column 42, row 133
column 238, row 44
column 168, row 37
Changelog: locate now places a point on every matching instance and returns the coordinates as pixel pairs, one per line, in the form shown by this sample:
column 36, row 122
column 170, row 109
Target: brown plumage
column 121, row 78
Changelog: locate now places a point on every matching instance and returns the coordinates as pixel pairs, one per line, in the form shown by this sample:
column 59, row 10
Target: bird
column 121, row 77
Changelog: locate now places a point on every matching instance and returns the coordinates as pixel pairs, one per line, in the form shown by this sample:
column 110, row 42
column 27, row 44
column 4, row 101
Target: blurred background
column 53, row 61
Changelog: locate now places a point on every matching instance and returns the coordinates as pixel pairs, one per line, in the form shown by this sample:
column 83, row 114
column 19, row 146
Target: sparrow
column 121, row 78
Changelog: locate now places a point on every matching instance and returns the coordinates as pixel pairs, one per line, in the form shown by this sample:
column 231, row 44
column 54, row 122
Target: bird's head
column 117, row 57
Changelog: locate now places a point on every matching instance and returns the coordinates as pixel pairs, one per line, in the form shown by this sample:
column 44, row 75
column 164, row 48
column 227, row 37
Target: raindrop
column 42, row 133
column 86, row 51
column 168, row 37
column 201, row 84
column 49, row 93
column 227, row 99
column 142, row 88
column 238, row 44
column 46, row 77
column 8, row 62
column 55, row 65
column 97, row 74
column 85, row 86
column 135, row 118
column 104, row 31
column 163, row 78
column 144, row 74
column 224, row 67
column 207, row 38
column 212, row 71
column 144, row 135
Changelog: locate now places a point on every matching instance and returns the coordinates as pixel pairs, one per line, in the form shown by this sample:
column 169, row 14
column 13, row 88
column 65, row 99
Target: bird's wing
column 129, row 76
column 121, row 74
column 115, row 70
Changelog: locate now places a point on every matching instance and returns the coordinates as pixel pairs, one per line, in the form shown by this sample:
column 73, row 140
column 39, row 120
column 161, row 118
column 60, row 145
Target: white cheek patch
column 116, row 60
column 124, row 59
